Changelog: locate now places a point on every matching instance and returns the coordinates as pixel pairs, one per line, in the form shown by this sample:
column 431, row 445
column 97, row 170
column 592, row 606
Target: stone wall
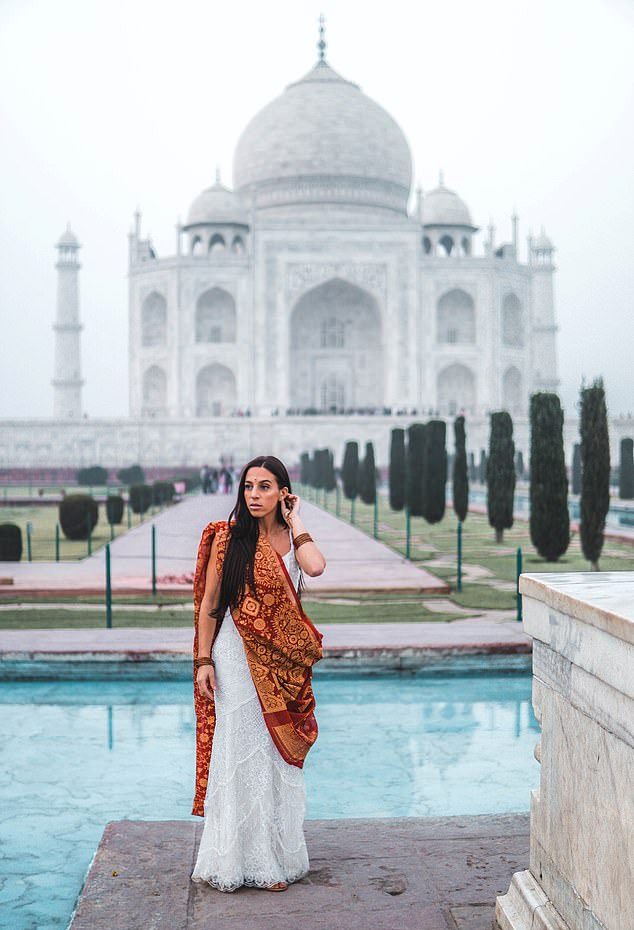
column 581, row 868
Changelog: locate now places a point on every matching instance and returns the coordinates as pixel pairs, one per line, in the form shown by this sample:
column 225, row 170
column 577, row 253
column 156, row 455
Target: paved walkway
column 429, row 645
column 355, row 561
column 410, row 873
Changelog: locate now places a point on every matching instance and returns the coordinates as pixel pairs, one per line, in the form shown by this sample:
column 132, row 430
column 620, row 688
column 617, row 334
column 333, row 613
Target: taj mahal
column 311, row 287
column 317, row 300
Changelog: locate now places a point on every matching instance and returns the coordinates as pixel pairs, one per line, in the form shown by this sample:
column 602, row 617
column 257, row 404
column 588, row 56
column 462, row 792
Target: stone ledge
column 436, row 873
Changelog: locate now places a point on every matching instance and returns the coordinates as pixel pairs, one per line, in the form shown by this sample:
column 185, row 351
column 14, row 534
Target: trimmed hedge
column 626, row 470
column 595, row 471
column 415, row 465
column 133, row 474
column 367, row 476
column 114, row 508
column 350, row 470
column 163, row 492
column 93, row 475
column 549, row 517
column 10, row 542
column 140, row 497
column 434, row 471
column 396, row 476
column 501, row 474
column 78, row 515
column 460, row 482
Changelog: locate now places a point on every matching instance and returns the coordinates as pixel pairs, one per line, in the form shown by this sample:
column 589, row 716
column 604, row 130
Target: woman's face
column 261, row 492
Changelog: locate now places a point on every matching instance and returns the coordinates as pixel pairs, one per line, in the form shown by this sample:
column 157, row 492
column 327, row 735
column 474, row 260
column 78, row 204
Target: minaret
column 544, row 345
column 67, row 382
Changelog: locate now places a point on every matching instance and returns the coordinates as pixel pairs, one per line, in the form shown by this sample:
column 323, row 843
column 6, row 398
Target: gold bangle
column 301, row 539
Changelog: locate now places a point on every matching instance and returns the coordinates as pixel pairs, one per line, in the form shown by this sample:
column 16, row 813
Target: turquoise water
column 75, row 755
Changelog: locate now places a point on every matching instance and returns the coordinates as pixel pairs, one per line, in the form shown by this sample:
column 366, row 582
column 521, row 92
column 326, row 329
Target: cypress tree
column 482, row 468
column 316, row 469
column 473, row 471
column 415, row 465
column 330, row 481
column 576, row 468
column 396, row 476
column 350, row 470
column 460, row 476
column 595, row 471
column 549, row 517
column 626, row 470
column 500, row 474
column 304, row 468
column 367, row 476
column 435, row 471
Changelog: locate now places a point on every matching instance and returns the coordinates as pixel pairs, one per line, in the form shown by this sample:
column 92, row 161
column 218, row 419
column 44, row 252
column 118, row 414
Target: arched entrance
column 512, row 390
column 215, row 391
column 456, row 390
column 336, row 358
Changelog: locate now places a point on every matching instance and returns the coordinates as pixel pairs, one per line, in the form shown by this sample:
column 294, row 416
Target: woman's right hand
column 206, row 680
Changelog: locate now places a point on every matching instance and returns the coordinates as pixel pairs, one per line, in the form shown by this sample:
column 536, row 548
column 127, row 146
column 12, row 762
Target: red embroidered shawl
column 281, row 646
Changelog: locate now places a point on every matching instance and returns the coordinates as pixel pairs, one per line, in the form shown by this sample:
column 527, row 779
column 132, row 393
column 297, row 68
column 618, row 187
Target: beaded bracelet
column 301, row 539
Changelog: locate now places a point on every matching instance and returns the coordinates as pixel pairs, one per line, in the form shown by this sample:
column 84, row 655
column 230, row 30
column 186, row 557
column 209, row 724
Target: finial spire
column 441, row 178
column 321, row 45
column 217, row 174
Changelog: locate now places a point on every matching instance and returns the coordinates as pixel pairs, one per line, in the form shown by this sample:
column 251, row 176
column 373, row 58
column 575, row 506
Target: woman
column 254, row 648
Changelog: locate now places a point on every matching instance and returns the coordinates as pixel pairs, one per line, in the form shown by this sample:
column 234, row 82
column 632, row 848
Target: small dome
column 443, row 207
column 68, row 238
column 217, row 205
column 323, row 140
column 542, row 242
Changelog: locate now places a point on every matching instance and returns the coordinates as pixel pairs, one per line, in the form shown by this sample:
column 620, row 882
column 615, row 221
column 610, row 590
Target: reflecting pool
column 77, row 754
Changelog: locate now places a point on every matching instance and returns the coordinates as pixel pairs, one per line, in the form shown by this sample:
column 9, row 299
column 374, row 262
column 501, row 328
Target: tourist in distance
column 254, row 649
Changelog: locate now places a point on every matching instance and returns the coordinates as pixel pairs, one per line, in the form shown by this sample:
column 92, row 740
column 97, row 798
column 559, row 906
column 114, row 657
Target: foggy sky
column 106, row 105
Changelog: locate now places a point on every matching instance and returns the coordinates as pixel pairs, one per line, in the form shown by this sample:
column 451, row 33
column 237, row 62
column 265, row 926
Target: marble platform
column 581, row 871
column 406, row 873
column 453, row 645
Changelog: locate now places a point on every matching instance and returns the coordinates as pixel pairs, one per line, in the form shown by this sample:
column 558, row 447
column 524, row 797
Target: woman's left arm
column 308, row 556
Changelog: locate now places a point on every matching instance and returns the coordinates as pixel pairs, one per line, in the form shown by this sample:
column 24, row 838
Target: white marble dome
column 217, row 205
column 324, row 141
column 443, row 207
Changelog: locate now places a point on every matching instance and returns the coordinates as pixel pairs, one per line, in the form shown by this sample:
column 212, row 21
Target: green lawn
column 43, row 520
column 369, row 609
column 435, row 546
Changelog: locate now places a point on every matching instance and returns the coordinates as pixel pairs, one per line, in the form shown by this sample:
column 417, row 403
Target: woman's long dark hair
column 239, row 557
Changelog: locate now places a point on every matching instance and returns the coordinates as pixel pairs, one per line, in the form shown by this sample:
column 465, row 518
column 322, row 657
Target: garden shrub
column 133, row 474
column 140, row 497
column 163, row 492
column 78, row 515
column 10, row 542
column 93, row 475
column 114, row 508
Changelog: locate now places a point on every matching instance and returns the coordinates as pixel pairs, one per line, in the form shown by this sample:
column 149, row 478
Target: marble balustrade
column 581, row 868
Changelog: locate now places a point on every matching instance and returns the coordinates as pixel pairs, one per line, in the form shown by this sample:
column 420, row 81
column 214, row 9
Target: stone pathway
column 166, row 651
column 410, row 873
column 356, row 562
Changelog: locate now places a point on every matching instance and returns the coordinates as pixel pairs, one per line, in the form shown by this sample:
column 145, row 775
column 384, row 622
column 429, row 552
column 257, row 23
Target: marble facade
column 312, row 287
column 581, row 871
column 174, row 442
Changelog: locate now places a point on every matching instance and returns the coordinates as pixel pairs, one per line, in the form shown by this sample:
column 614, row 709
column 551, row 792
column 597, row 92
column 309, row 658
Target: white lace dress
column 255, row 805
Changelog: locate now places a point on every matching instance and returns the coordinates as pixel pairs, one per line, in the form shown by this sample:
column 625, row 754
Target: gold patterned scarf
column 281, row 646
